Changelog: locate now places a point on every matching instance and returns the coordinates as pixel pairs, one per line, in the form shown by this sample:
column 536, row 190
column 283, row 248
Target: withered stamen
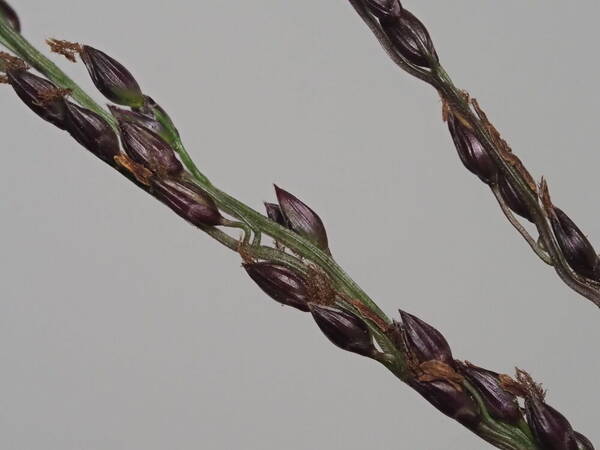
column 69, row 50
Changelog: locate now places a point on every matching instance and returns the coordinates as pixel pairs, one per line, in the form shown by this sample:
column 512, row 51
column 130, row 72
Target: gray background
column 121, row 327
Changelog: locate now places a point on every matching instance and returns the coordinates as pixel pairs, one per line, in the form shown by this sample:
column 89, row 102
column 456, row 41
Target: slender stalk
column 459, row 103
column 259, row 252
column 456, row 98
column 306, row 256
column 520, row 228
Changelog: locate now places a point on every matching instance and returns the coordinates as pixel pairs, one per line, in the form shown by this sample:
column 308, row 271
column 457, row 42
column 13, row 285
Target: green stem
column 519, row 227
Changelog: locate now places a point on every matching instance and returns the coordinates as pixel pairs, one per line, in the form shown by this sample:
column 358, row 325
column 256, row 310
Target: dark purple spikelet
column 41, row 96
column 301, row 219
column 188, row 201
column 274, row 213
column 282, row 284
column 92, row 132
column 471, row 151
column 384, row 9
column 578, row 251
column 344, row 329
column 501, row 404
column 165, row 126
column 152, row 109
column 9, row 14
column 148, row 148
column 423, row 341
column 410, row 38
column 583, row 442
column 111, row 78
column 512, row 199
column 550, row 428
column 450, row 400
column 138, row 118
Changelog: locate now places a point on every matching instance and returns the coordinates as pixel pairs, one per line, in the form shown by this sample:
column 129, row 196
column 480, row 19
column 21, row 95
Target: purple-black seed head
column 145, row 121
column 344, row 329
column 188, row 201
column 41, row 96
column 281, row 283
column 111, row 78
column 450, row 400
column 410, row 39
column 302, row 219
column 550, row 428
column 578, row 251
column 92, row 132
column 501, row 404
column 149, row 149
column 471, row 151
column 424, row 342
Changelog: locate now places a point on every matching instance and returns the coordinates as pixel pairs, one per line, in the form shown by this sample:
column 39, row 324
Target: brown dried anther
column 434, row 376
column 515, row 162
column 141, row 173
column 509, row 384
column 69, row 50
column 320, row 289
column 545, row 197
column 439, row 371
column 367, row 313
column 532, row 388
column 8, row 61
column 53, row 95
column 504, row 150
